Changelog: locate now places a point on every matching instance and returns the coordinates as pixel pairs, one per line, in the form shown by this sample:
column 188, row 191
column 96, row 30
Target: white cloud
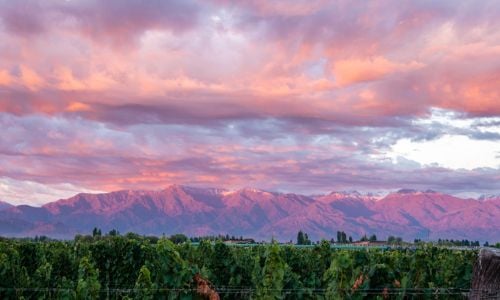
column 32, row 193
column 454, row 141
column 450, row 151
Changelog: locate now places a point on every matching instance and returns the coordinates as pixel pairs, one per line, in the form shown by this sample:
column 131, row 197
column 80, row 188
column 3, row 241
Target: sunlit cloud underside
column 307, row 96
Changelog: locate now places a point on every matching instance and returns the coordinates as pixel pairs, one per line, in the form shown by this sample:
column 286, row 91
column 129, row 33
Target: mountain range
column 259, row 214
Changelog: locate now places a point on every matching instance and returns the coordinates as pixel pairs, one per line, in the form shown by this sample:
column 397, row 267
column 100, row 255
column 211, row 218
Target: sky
column 295, row 96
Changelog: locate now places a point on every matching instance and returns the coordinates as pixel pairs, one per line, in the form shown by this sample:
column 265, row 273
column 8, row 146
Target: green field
column 122, row 267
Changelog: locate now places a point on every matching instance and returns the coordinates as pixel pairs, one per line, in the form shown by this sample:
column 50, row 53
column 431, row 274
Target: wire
column 414, row 291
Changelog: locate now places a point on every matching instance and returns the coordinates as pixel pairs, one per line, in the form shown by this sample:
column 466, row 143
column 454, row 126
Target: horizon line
column 375, row 194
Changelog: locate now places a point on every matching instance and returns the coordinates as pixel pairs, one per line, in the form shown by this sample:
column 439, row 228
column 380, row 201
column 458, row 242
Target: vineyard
column 134, row 267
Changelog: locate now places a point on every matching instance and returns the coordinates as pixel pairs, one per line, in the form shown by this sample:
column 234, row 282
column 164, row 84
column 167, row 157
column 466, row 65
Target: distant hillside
column 259, row 214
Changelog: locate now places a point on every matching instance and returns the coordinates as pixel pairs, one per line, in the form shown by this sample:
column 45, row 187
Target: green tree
column 300, row 238
column 66, row 289
column 88, row 284
column 42, row 279
column 143, row 285
column 170, row 271
column 113, row 232
column 86, row 265
column 96, row 232
column 11, row 272
column 221, row 264
column 307, row 240
column 341, row 237
column 343, row 279
column 178, row 238
column 271, row 285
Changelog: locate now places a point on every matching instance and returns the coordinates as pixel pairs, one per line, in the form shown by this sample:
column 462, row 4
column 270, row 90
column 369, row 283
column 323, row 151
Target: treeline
column 135, row 267
column 458, row 243
column 465, row 243
column 342, row 238
column 175, row 238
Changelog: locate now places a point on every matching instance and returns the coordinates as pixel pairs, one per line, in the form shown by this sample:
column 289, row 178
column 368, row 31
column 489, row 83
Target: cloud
column 122, row 22
column 95, row 156
column 350, row 71
column 22, row 17
column 30, row 78
column 33, row 193
column 304, row 61
column 307, row 95
column 116, row 23
column 5, row 78
column 451, row 151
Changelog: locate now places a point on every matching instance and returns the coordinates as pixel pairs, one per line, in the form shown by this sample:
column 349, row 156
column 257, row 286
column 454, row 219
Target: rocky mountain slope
column 259, row 214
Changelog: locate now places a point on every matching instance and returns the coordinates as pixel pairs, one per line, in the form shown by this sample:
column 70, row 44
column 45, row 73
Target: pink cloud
column 5, row 78
column 350, row 71
column 282, row 68
column 30, row 79
column 125, row 94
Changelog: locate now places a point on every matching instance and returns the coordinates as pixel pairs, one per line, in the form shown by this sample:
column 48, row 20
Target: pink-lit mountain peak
column 174, row 199
column 177, row 188
column 490, row 197
column 259, row 213
column 347, row 195
column 414, row 196
column 407, row 191
column 409, row 197
column 428, row 208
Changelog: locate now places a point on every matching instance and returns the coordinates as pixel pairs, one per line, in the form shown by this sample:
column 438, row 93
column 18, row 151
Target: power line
column 440, row 291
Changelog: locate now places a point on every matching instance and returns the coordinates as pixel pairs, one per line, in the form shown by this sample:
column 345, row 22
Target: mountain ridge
column 259, row 214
